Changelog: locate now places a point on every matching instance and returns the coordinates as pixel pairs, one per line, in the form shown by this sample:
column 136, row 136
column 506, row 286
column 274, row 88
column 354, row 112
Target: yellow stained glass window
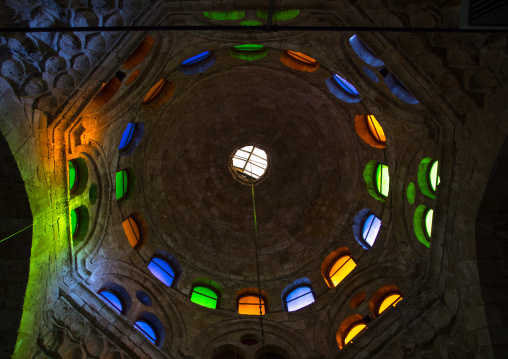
column 301, row 57
column 131, row 229
column 354, row 331
column 249, row 305
column 388, row 301
column 341, row 268
column 375, row 129
column 155, row 91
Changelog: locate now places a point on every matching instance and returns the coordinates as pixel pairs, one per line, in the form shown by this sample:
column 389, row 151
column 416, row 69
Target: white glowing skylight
column 250, row 162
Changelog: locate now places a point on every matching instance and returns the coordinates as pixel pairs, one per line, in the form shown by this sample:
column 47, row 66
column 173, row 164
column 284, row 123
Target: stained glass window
column 162, row 270
column 127, row 136
column 197, row 58
column 122, row 184
column 250, row 163
column 375, row 129
column 382, row 180
column 249, row 305
column 341, row 268
column 74, row 221
column 371, row 229
column 353, row 331
column 390, row 300
column 112, row 299
column 427, row 225
column 433, row 175
column 73, row 175
column 300, row 297
column 204, row 296
column 147, row 330
column 155, row 91
column 131, row 228
column 345, row 85
column 301, row 57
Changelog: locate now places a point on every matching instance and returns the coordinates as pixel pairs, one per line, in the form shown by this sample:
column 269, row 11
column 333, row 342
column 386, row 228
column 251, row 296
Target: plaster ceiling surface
column 200, row 212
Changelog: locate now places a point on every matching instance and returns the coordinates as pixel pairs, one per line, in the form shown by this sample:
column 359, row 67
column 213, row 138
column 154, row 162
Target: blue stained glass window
column 194, row 59
column 113, row 300
column 346, row 85
column 127, row 136
column 299, row 298
column 371, row 229
column 147, row 330
column 162, row 270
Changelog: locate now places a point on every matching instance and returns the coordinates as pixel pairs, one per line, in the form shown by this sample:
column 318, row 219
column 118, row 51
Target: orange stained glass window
column 354, row 331
column 301, row 57
column 131, row 228
column 155, row 91
column 249, row 305
column 341, row 268
column 375, row 129
column 388, row 301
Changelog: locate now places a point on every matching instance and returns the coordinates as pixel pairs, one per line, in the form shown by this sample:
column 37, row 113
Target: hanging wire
column 12, row 235
column 257, row 269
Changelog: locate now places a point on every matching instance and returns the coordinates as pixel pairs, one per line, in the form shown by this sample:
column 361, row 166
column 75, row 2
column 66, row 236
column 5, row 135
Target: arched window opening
column 147, row 330
column 299, row 61
column 364, row 52
column 297, row 295
column 151, row 327
column 139, row 54
column 371, row 227
column 131, row 137
column 165, row 268
column 135, row 229
column 197, row 64
column 427, row 225
column 78, row 176
column 337, row 266
column 370, row 131
column 249, row 52
column 278, row 15
column 298, row 298
column 422, row 223
column 106, row 93
column 366, row 226
column 125, row 182
column 382, row 180
column 399, row 90
column 225, row 15
column 377, row 180
column 159, row 94
column 112, row 299
column 342, row 89
column 428, row 176
column 79, row 224
column 349, row 329
column 205, row 297
column 385, row 298
column 249, row 301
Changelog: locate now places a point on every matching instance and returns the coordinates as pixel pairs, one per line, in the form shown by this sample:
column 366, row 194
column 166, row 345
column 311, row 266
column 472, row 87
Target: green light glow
column 424, row 177
column 204, row 296
column 382, row 180
column 122, row 183
column 72, row 175
column 428, row 222
column 74, row 221
column 249, row 52
column 225, row 15
column 251, row 23
column 433, row 176
column 418, row 224
column 411, row 193
column 281, row 15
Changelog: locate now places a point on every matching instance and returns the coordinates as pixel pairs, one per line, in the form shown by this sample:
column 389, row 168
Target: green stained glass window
column 249, row 52
column 225, row 15
column 122, row 184
column 278, row 15
column 249, row 47
column 74, row 221
column 411, row 193
column 204, row 296
column 382, row 180
column 427, row 225
column 433, row 175
column 251, row 23
column 73, row 176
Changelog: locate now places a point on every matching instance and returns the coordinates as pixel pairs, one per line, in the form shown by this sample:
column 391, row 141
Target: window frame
column 383, row 298
column 303, row 285
column 108, row 290
column 424, row 223
column 330, row 267
column 362, row 226
column 252, row 294
column 217, row 300
column 350, row 328
column 155, row 331
column 130, row 137
column 172, row 262
column 379, row 183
